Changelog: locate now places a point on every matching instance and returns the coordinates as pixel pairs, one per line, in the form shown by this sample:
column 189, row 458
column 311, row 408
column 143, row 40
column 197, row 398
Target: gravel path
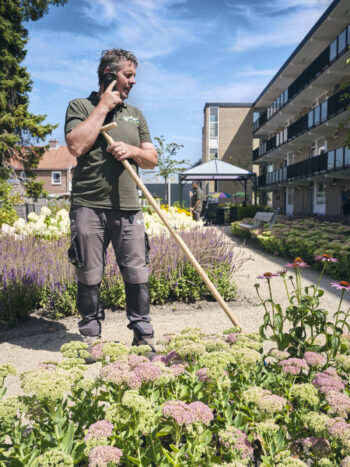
column 39, row 339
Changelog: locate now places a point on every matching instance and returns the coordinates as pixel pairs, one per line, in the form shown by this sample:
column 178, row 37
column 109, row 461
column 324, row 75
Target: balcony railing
column 316, row 116
column 331, row 53
column 338, row 159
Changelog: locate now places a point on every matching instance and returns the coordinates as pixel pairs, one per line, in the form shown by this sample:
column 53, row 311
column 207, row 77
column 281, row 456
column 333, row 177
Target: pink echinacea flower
column 342, row 285
column 326, row 258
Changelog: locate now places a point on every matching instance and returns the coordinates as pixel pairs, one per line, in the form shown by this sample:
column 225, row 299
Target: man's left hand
column 121, row 151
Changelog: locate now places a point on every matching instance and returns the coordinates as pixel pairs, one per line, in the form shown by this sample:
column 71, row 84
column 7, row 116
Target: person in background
column 196, row 201
column 104, row 201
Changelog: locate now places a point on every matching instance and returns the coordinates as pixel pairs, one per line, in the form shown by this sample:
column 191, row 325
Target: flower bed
column 35, row 273
column 307, row 238
column 205, row 399
column 52, row 226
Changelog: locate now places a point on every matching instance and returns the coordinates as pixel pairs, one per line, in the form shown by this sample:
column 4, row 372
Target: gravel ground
column 39, row 339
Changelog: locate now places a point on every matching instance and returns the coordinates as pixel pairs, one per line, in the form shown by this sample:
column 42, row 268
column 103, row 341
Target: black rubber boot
column 88, row 304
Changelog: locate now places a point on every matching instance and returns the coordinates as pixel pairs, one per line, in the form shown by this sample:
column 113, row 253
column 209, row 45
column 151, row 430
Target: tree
column 167, row 164
column 36, row 190
column 19, row 129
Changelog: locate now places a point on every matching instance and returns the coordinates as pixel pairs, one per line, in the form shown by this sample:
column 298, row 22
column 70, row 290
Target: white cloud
column 149, row 28
column 276, row 31
column 252, row 72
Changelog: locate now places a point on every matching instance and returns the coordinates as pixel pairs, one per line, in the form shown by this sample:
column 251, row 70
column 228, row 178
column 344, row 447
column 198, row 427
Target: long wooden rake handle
column 179, row 240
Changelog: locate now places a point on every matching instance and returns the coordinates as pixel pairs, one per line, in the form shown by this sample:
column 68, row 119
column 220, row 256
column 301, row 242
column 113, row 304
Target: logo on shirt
column 131, row 119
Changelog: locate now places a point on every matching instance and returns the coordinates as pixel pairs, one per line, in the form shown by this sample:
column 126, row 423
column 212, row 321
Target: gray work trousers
column 92, row 229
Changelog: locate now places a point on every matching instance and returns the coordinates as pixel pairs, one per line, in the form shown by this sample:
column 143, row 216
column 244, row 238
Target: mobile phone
column 108, row 78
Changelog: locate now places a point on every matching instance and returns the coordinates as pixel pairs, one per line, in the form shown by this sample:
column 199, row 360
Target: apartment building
column 304, row 164
column 226, row 135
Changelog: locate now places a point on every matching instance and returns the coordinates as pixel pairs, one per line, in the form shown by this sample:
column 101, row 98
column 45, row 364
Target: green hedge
column 305, row 238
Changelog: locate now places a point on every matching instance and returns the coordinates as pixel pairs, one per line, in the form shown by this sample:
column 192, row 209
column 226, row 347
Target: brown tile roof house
column 55, row 169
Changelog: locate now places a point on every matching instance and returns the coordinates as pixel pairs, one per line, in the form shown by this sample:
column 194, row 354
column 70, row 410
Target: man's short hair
column 113, row 58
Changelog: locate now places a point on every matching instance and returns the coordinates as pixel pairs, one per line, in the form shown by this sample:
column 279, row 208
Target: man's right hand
column 110, row 99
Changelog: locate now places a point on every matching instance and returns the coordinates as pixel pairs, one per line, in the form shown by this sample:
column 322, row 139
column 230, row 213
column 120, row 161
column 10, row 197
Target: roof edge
column 227, row 104
column 300, row 46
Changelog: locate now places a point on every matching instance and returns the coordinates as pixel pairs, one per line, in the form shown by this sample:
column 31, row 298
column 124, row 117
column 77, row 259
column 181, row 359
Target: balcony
column 328, row 162
column 317, row 116
column 329, row 58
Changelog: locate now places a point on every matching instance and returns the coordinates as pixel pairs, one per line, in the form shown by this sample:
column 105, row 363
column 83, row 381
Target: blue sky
column 190, row 52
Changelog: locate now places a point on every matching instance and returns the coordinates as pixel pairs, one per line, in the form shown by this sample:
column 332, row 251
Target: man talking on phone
column 104, row 200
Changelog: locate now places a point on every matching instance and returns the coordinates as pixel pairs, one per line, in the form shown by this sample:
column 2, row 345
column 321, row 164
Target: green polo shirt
column 99, row 181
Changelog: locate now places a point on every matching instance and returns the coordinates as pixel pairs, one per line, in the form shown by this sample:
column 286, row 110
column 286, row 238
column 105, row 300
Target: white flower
column 45, row 211
column 32, row 216
column 7, row 229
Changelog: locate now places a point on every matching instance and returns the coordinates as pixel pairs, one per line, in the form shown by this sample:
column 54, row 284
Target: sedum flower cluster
column 55, row 458
column 205, row 399
column 186, row 414
column 233, row 439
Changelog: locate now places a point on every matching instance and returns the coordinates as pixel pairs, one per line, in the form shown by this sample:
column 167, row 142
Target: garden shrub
column 306, row 238
column 36, row 274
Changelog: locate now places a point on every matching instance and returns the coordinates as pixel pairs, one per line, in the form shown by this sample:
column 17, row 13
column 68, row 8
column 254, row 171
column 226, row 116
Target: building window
column 347, row 156
column 330, row 164
column 321, row 193
column 324, row 109
column 213, row 153
column 214, row 120
column 322, row 146
column 342, row 41
column 339, row 157
column 310, row 119
column 333, row 50
column 56, row 178
column 313, row 150
column 317, row 115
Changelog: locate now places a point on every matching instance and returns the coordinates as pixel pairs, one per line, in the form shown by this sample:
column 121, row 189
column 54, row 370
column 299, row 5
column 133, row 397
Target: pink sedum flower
column 100, row 429
column 97, row 351
column 325, row 382
column 178, row 369
column 186, row 414
column 202, row 375
column 293, row 366
column 339, row 403
column 232, row 337
column 179, row 411
column 201, row 412
column 102, row 456
column 147, row 371
column 321, row 446
column 314, row 359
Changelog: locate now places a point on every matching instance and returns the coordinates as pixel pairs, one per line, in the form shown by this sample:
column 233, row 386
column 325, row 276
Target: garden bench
column 259, row 220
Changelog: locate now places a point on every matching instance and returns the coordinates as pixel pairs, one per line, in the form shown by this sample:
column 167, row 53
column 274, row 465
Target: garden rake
column 153, row 203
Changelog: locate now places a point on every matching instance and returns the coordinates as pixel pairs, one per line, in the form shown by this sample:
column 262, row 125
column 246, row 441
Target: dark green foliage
column 305, row 238
column 35, row 190
column 19, row 129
